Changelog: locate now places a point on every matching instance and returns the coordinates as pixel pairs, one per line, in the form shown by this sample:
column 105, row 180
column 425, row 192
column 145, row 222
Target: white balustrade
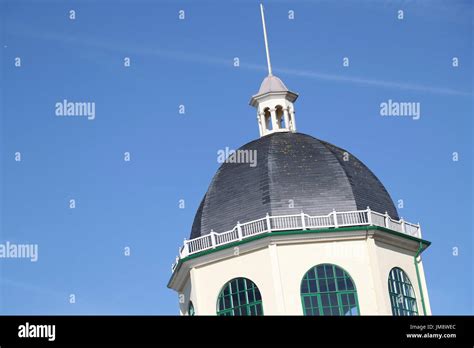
column 300, row 221
column 378, row 219
column 286, row 222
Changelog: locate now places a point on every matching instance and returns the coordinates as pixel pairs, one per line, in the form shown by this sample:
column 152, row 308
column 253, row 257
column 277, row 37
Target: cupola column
column 293, row 121
column 287, row 119
column 260, row 120
column 274, row 119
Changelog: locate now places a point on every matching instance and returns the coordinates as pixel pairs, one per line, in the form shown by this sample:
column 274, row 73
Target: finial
column 266, row 41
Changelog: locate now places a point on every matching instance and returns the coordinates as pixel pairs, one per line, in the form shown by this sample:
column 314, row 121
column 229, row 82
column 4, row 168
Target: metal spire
column 266, row 41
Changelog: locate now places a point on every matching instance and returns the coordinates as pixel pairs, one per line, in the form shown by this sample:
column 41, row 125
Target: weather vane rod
column 266, row 41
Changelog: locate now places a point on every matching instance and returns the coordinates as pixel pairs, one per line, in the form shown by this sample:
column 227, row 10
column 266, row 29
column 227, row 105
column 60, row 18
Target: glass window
column 328, row 290
column 191, row 309
column 240, row 296
column 402, row 296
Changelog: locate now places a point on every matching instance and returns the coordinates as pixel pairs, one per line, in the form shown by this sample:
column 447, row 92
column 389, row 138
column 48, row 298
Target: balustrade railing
column 300, row 221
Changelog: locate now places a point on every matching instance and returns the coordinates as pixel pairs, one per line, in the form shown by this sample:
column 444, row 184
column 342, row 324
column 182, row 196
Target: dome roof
column 272, row 83
column 291, row 167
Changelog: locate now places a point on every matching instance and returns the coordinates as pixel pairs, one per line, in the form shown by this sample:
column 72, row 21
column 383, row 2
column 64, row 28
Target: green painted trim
column 420, row 249
column 293, row 232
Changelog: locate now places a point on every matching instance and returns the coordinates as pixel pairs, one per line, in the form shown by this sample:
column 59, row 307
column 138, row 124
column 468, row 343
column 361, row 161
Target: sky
column 173, row 156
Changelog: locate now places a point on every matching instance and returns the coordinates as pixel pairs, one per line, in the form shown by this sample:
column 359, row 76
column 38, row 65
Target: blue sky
column 173, row 156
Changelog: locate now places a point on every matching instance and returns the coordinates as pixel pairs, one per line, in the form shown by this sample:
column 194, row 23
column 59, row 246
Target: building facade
column 307, row 230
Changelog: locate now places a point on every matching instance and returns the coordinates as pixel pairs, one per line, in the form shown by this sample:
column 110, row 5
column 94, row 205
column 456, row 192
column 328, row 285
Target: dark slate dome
column 290, row 166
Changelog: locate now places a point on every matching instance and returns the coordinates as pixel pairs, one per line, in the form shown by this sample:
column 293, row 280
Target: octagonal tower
column 308, row 230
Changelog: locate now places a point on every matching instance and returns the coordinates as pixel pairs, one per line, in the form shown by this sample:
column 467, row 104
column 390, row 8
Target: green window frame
column 402, row 295
column 239, row 296
column 191, row 309
column 327, row 289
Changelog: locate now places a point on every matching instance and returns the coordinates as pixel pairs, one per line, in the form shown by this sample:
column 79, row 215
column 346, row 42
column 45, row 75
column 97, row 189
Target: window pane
column 320, row 272
column 227, row 302
column 341, row 284
column 251, row 296
column 333, row 299
column 242, row 298
column 235, row 300
column 252, row 310
column 322, row 285
column 304, row 286
column 312, row 286
column 325, row 300
column 331, row 284
column 329, row 271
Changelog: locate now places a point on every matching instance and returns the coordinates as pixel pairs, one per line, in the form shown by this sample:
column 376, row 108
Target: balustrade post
column 303, row 222
column 213, row 239
column 185, row 251
column 386, row 219
column 334, row 214
column 269, row 226
column 419, row 231
column 239, row 230
column 369, row 216
column 402, row 223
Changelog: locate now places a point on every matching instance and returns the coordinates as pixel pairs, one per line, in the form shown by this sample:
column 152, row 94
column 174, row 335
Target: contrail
column 227, row 62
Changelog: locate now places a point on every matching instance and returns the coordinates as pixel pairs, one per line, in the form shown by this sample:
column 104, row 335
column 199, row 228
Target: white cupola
column 274, row 103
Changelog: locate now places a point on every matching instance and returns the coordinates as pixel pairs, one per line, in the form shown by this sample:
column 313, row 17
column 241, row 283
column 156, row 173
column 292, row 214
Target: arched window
column 191, row 309
column 327, row 289
column 280, row 117
column 268, row 118
column 240, row 296
column 402, row 296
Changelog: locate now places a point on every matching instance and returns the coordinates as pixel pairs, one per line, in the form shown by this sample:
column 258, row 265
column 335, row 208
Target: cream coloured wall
column 278, row 267
column 210, row 279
